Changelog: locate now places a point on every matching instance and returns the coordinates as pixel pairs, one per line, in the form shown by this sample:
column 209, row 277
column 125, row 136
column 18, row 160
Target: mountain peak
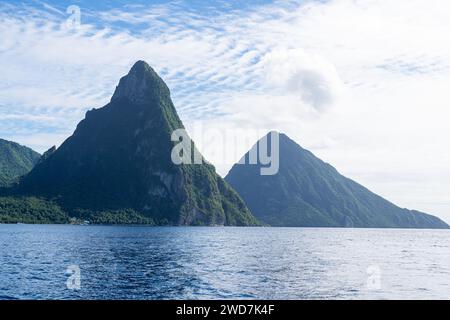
column 141, row 68
column 141, row 64
column 307, row 192
column 141, row 84
column 119, row 160
column 282, row 136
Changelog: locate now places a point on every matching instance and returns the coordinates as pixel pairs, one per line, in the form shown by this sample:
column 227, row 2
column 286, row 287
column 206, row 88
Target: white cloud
column 310, row 77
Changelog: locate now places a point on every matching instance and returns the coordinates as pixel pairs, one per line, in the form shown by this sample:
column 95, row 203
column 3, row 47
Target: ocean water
column 103, row 262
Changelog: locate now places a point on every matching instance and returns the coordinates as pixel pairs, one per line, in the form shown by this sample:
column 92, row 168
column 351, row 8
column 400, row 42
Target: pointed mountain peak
column 308, row 192
column 141, row 84
column 141, row 68
column 274, row 134
column 280, row 137
column 118, row 164
column 284, row 140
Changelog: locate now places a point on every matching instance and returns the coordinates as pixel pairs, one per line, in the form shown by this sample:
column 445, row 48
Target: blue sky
column 361, row 83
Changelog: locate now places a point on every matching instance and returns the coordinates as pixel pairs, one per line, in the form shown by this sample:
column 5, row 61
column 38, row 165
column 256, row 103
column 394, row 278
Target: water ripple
column 223, row 263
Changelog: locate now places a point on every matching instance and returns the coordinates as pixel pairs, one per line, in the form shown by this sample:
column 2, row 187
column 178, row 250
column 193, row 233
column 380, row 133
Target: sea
column 161, row 263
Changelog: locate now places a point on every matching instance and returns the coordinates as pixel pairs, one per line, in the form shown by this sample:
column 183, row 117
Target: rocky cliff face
column 119, row 158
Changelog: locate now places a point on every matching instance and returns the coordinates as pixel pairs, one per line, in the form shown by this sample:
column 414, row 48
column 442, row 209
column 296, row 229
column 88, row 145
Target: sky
column 363, row 84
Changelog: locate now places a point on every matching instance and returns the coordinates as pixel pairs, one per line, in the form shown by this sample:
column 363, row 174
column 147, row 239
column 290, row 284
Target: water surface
column 223, row 263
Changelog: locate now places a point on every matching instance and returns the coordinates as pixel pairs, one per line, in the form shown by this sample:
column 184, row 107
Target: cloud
column 312, row 78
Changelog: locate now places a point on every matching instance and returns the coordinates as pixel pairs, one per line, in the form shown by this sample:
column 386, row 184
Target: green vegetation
column 118, row 217
column 117, row 166
column 33, row 210
column 30, row 210
column 15, row 161
column 308, row 192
